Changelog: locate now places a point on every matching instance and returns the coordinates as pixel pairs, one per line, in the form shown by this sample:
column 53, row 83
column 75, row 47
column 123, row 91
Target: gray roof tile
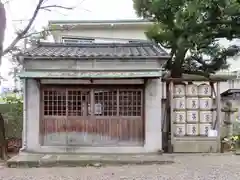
column 94, row 50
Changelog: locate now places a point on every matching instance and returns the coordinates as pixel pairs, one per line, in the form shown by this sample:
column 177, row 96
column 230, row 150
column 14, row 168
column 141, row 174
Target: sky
column 19, row 12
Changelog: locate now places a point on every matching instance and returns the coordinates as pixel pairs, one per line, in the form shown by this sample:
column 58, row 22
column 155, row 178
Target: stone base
column 195, row 145
column 63, row 160
column 147, row 148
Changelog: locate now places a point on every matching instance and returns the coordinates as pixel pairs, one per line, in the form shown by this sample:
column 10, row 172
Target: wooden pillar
column 218, row 118
column 171, row 89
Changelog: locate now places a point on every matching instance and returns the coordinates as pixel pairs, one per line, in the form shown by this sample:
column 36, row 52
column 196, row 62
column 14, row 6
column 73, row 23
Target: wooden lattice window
column 54, row 102
column 130, row 103
column 63, row 102
column 119, row 102
column 78, row 102
column 107, row 102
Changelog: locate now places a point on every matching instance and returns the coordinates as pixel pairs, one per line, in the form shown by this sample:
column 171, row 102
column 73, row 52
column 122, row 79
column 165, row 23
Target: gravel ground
column 187, row 167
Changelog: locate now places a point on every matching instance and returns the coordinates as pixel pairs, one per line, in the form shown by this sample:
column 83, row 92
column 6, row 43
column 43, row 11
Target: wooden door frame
column 92, row 101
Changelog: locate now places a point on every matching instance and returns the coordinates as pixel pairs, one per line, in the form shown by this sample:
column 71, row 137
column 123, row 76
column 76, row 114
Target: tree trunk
column 3, row 142
column 176, row 71
column 2, row 28
column 177, row 66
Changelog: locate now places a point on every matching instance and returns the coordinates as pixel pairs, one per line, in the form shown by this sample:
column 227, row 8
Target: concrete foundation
column 195, row 145
column 70, row 160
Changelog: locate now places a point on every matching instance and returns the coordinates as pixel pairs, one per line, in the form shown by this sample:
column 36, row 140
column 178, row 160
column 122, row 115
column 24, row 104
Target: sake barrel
column 180, row 116
column 180, row 129
column 180, row 103
column 192, row 116
column 191, row 90
column 204, row 90
column 192, row 103
column 179, row 90
column 206, row 117
column 205, row 103
column 192, row 129
column 204, row 128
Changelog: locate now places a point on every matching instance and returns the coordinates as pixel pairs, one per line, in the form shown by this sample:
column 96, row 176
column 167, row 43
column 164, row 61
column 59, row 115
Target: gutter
column 94, row 23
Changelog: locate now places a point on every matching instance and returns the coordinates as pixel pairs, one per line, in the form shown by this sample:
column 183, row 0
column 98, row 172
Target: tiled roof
column 94, row 50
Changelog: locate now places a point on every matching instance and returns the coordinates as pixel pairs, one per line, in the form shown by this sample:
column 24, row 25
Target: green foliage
column 191, row 29
column 13, row 115
column 234, row 139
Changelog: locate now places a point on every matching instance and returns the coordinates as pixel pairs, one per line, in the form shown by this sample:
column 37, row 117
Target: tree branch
column 45, row 30
column 56, row 6
column 6, row 2
column 21, row 34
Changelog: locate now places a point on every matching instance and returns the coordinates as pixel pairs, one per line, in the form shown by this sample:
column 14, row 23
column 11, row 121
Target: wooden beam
column 65, row 81
column 193, row 78
column 97, row 81
column 118, row 81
